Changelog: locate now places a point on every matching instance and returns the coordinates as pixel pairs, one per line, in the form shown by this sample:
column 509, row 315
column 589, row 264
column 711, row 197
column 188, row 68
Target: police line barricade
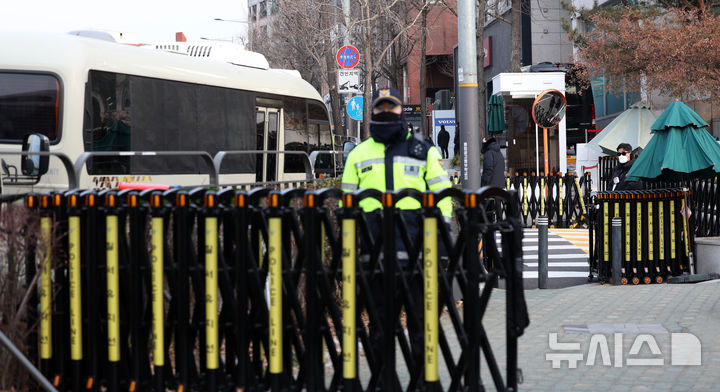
column 704, row 204
column 268, row 290
column 562, row 198
column 606, row 165
column 656, row 238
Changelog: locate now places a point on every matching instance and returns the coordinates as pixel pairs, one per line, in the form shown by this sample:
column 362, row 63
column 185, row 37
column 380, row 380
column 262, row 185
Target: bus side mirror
column 35, row 165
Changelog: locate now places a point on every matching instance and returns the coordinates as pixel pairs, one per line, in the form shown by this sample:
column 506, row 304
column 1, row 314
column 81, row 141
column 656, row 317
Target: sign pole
column 546, row 152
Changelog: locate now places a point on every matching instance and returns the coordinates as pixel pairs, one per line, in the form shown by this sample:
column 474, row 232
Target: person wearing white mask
column 618, row 181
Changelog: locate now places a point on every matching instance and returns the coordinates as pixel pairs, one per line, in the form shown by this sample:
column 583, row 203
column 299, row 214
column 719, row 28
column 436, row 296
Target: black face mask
column 387, row 127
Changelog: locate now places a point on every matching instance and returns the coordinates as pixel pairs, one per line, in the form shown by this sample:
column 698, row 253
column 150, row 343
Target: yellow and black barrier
column 265, row 290
column 656, row 238
column 562, row 198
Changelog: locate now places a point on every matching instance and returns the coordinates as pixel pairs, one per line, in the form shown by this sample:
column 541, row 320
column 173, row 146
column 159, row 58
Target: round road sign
column 355, row 108
column 348, row 57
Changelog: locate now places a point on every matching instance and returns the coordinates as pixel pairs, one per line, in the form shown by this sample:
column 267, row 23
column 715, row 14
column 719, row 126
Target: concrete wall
column 499, row 32
column 549, row 40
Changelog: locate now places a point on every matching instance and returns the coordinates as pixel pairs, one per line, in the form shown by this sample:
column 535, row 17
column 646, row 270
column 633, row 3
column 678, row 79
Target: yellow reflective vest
column 365, row 168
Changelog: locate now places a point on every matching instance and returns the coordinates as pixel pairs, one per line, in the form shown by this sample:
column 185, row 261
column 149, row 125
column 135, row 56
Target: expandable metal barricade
column 205, row 290
column 562, row 198
column 656, row 240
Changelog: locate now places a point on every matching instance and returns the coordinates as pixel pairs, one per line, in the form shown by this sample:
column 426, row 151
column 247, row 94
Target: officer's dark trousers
column 380, row 299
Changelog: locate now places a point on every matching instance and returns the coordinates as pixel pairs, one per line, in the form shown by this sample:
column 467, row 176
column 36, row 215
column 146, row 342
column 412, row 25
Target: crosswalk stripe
column 551, row 247
column 560, row 264
column 535, row 240
column 556, row 274
column 562, row 256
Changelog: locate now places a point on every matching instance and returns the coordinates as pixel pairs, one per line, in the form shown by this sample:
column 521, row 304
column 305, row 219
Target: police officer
column 393, row 159
column 413, row 162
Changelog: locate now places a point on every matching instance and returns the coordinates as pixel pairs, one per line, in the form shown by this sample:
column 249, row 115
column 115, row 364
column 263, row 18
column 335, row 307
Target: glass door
column 267, row 127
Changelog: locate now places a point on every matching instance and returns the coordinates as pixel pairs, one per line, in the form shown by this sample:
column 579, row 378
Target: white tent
column 631, row 126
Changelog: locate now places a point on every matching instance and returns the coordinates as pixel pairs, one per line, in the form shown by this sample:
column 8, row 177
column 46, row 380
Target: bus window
column 317, row 112
column 295, row 134
column 29, row 103
column 165, row 116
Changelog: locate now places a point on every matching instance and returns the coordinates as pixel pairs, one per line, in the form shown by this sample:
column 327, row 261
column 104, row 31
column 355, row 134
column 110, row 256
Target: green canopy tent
column 680, row 149
column 496, row 115
column 631, row 126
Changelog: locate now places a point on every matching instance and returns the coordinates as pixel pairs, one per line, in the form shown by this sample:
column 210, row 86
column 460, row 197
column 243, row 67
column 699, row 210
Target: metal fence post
column 616, row 236
column 542, row 224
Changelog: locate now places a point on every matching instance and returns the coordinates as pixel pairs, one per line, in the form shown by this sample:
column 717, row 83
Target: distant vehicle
column 78, row 95
column 580, row 114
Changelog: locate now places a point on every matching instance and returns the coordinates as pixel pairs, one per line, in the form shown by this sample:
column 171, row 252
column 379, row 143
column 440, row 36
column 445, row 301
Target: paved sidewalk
column 573, row 313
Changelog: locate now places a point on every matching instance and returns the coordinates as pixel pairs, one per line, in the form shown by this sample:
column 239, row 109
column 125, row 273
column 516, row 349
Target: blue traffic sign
column 355, row 108
column 348, row 57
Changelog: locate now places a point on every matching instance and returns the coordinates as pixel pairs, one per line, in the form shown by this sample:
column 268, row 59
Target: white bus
column 93, row 96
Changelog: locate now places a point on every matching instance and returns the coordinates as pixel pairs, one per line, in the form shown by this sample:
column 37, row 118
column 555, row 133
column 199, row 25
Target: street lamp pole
column 468, row 96
column 231, row 21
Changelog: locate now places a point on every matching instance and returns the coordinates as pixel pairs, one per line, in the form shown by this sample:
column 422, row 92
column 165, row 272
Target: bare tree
column 370, row 17
column 304, row 36
column 423, row 69
column 515, row 36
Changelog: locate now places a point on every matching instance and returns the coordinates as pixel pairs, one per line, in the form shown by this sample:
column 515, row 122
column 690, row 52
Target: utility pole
column 468, row 96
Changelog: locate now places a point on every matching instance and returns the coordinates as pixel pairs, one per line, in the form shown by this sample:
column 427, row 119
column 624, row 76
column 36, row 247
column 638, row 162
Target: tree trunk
column 367, row 93
column 332, row 74
column 516, row 36
column 482, row 101
column 423, row 65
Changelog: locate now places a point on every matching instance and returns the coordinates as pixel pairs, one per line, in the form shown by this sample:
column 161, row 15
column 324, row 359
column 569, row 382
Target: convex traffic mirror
column 549, row 108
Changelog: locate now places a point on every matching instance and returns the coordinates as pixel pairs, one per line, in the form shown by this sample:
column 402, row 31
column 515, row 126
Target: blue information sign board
column 355, row 108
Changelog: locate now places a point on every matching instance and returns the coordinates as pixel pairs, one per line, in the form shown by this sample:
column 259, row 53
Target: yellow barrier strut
column 560, row 197
column 661, row 232
column 627, row 237
column 76, row 348
column 686, row 235
column 542, row 194
column 606, row 226
column 112, row 274
column 156, row 288
column 638, row 235
column 430, row 292
column 45, row 288
column 349, row 290
column 525, row 197
column 651, row 238
column 672, row 230
column 275, row 275
column 211, row 288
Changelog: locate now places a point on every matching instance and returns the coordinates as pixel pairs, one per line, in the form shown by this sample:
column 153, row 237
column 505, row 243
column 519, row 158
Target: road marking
column 560, row 264
column 550, row 247
column 556, row 274
column 550, row 257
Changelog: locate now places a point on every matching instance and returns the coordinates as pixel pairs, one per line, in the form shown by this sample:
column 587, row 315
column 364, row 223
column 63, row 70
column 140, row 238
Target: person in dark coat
column 443, row 139
column 618, row 180
column 493, row 173
column 456, row 140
